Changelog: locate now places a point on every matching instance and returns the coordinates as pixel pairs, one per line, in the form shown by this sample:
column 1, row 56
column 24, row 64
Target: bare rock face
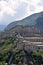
column 22, row 30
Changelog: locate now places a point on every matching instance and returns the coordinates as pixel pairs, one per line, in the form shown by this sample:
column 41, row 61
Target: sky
column 12, row 10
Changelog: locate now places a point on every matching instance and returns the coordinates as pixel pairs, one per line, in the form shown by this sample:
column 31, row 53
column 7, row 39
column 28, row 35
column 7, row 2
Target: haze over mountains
column 2, row 27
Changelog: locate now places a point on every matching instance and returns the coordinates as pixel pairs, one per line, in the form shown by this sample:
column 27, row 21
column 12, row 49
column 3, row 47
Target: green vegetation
column 6, row 45
column 3, row 63
column 36, row 58
column 7, row 49
column 18, row 57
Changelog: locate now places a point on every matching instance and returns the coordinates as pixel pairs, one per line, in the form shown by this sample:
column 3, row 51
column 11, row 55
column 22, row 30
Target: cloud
column 11, row 6
column 40, row 3
column 18, row 9
column 8, row 7
column 33, row 7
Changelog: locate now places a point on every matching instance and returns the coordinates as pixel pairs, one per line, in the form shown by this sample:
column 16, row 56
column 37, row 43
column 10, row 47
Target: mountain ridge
column 30, row 26
column 28, row 21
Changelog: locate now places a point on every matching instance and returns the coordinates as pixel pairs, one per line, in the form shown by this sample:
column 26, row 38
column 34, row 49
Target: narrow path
column 10, row 60
column 28, row 57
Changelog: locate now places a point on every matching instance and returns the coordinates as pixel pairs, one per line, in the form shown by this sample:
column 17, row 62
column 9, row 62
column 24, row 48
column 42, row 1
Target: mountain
column 2, row 27
column 29, row 26
column 35, row 20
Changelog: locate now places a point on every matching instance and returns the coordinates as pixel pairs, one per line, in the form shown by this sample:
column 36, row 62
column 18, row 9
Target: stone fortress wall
column 30, row 43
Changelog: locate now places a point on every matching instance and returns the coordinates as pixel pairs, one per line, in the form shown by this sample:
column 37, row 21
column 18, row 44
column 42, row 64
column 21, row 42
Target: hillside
column 29, row 26
column 35, row 20
column 24, row 31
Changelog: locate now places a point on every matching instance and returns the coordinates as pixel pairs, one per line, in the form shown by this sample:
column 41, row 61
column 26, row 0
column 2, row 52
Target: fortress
column 30, row 43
